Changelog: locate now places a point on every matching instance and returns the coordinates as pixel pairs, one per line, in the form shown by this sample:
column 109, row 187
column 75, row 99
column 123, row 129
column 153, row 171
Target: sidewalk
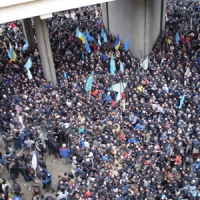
column 55, row 167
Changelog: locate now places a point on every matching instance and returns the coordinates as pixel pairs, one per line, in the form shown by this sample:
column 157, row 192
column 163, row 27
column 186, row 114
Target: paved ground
column 53, row 166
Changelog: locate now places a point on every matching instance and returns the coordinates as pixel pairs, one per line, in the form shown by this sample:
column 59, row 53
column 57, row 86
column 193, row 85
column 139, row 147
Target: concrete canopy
column 11, row 10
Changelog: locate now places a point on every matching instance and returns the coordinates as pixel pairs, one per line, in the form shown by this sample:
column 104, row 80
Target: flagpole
column 89, row 94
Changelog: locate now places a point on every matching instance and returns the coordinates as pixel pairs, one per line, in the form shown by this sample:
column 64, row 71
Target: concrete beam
column 45, row 49
column 40, row 7
column 28, row 31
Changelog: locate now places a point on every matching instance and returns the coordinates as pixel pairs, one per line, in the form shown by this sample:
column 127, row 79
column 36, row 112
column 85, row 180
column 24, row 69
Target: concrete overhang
column 12, row 10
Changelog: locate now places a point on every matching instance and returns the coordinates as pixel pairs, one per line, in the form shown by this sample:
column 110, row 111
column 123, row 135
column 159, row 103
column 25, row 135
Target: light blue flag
column 87, row 47
column 121, row 67
column 81, row 130
column 105, row 39
column 89, row 38
column 25, row 46
column 182, row 100
column 102, row 32
column 112, row 66
column 83, row 57
column 119, row 88
column 77, row 32
column 28, row 64
column 29, row 74
column 127, row 44
column 177, row 38
column 99, row 41
column 65, row 76
column 89, row 82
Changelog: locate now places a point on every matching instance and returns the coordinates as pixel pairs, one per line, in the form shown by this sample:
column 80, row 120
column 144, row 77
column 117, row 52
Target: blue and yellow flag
column 81, row 36
column 28, row 64
column 9, row 53
column 12, row 55
column 117, row 43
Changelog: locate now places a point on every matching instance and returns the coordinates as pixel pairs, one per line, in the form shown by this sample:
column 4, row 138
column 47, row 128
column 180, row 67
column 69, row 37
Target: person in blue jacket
column 64, row 153
column 47, row 181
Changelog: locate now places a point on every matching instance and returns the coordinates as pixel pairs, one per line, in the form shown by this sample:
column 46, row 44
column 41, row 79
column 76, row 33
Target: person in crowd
column 144, row 146
column 64, row 153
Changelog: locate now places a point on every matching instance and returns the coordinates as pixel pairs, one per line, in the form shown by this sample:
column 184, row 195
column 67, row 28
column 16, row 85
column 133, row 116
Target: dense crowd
column 145, row 146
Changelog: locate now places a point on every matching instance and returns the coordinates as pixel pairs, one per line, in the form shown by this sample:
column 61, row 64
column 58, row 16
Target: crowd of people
column 145, row 146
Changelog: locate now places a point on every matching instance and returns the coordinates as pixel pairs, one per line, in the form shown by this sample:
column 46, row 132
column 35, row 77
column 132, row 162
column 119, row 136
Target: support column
column 45, row 49
column 141, row 19
column 28, row 31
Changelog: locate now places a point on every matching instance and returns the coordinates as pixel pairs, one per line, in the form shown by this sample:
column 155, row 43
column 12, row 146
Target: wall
column 141, row 19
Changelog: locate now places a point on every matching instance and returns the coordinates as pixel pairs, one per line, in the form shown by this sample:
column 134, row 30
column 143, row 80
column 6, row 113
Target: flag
column 177, row 38
column 89, row 82
column 102, row 32
column 89, row 38
column 80, row 35
column 121, row 67
column 181, row 101
column 117, row 43
column 14, row 56
column 107, row 97
column 105, row 39
column 145, row 63
column 65, row 75
column 139, row 126
column 83, row 57
column 112, row 66
column 87, row 47
column 9, row 53
column 99, row 41
column 77, row 32
column 34, row 160
column 29, row 74
column 81, row 129
column 119, row 87
column 25, row 46
column 28, row 64
column 127, row 44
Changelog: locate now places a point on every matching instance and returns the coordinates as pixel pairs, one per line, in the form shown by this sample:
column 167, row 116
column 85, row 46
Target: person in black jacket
column 41, row 162
column 17, row 188
column 23, row 169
